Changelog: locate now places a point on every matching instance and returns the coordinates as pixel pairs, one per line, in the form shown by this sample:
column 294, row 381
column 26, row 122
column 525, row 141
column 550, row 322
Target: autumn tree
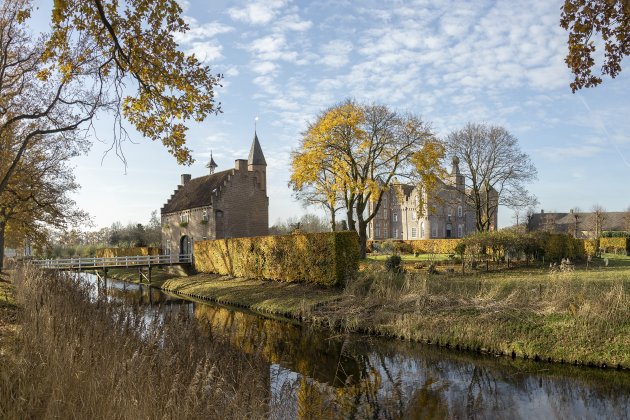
column 366, row 147
column 587, row 19
column 495, row 170
column 597, row 220
column 37, row 197
column 100, row 56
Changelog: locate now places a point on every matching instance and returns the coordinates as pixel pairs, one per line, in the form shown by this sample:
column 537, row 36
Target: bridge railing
column 130, row 261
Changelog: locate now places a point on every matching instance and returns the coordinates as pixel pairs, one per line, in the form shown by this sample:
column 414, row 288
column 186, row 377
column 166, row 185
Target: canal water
column 359, row 376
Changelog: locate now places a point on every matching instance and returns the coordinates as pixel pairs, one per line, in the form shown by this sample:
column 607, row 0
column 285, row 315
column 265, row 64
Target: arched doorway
column 184, row 246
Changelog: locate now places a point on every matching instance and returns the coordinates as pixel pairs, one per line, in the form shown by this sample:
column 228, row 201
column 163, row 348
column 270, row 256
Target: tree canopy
column 365, row 148
column 495, row 170
column 100, row 56
column 586, row 19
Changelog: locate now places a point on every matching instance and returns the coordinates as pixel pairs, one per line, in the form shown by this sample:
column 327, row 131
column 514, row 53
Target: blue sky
column 499, row 62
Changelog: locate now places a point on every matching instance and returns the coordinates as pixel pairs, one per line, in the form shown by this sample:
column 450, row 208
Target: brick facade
column 227, row 204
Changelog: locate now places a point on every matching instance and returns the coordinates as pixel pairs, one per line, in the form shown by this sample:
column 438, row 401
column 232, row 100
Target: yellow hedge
column 322, row 258
column 614, row 244
column 434, row 246
column 126, row 252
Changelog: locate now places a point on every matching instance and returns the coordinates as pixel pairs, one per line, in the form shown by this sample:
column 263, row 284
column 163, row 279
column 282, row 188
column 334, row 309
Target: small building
column 445, row 213
column 227, row 204
column 579, row 224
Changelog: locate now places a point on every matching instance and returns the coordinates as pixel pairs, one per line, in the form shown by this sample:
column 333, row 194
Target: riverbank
column 580, row 317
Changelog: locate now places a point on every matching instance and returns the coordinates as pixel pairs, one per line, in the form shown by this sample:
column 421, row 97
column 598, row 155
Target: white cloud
column 206, row 51
column 257, row 12
column 335, row 53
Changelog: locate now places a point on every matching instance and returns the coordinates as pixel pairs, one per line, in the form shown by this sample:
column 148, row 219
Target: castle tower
column 212, row 165
column 457, row 178
column 257, row 164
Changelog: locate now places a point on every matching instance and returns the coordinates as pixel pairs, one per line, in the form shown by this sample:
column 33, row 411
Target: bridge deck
column 90, row 263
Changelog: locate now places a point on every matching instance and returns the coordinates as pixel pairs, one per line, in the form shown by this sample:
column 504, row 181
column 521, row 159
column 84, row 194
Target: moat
column 309, row 367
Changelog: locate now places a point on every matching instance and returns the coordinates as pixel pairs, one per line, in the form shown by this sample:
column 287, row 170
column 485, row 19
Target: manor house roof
column 195, row 193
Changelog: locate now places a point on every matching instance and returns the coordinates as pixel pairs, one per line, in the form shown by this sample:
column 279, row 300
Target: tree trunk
column 333, row 221
column 350, row 217
column 362, row 238
column 2, row 227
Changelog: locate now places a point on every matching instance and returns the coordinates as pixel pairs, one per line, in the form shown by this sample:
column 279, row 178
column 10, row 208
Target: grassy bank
column 580, row 317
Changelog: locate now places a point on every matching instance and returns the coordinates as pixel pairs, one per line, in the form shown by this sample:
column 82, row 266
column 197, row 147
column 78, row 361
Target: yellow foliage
column 614, row 244
column 126, row 252
column 434, row 246
column 323, row 258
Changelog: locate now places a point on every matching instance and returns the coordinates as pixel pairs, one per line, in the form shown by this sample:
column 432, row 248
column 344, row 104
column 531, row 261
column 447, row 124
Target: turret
column 257, row 164
column 457, row 178
column 212, row 165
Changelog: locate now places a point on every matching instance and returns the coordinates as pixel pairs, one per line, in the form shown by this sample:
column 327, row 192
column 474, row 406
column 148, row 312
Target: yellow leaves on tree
column 135, row 39
column 358, row 151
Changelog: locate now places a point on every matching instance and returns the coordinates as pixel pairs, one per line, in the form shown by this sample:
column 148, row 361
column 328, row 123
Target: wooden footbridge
column 104, row 264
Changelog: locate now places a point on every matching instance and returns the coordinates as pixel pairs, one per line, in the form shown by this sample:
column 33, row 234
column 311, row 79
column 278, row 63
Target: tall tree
column 101, row 55
column 366, row 147
column 495, row 170
column 37, row 197
column 598, row 219
column 584, row 19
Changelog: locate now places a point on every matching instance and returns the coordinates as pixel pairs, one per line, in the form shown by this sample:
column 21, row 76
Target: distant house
column 446, row 213
column 579, row 224
column 227, row 204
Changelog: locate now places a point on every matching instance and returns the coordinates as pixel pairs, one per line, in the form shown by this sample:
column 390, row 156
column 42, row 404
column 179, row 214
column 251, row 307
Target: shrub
column 323, row 258
column 433, row 246
column 393, row 264
column 614, row 244
column 126, row 252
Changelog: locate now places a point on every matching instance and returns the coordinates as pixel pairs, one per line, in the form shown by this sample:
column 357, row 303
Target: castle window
column 422, row 230
column 377, row 231
column 395, row 217
column 460, row 211
column 183, row 218
column 434, row 230
column 450, row 213
column 414, row 216
column 395, row 232
column 204, row 216
column 460, row 231
column 384, row 231
column 385, row 213
column 414, row 232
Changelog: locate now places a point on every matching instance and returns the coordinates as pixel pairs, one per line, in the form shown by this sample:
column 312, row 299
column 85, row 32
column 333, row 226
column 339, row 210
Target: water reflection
column 325, row 375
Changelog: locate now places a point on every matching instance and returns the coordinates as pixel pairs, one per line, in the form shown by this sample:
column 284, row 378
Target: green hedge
column 127, row 252
column 322, row 258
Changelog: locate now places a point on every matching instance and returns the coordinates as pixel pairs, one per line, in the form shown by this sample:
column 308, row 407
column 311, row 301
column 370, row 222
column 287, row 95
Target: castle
column 445, row 214
column 227, row 204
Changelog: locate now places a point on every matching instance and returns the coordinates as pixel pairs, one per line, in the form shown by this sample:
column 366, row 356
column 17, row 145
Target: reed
column 80, row 358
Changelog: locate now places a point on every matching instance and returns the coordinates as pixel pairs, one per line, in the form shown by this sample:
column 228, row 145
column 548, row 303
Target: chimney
column 186, row 178
column 240, row 164
column 542, row 211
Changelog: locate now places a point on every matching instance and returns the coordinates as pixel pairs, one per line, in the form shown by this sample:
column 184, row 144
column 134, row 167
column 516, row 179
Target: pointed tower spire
column 256, row 156
column 212, row 165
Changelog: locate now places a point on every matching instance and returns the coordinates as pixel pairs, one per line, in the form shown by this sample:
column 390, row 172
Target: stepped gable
column 196, row 193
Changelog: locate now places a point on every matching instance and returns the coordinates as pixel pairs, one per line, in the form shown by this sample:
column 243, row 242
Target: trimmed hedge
column 434, row 246
column 322, row 258
column 420, row 246
column 126, row 252
column 614, row 244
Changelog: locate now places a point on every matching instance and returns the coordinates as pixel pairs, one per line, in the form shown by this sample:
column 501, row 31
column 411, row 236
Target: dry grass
column 582, row 316
column 79, row 359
